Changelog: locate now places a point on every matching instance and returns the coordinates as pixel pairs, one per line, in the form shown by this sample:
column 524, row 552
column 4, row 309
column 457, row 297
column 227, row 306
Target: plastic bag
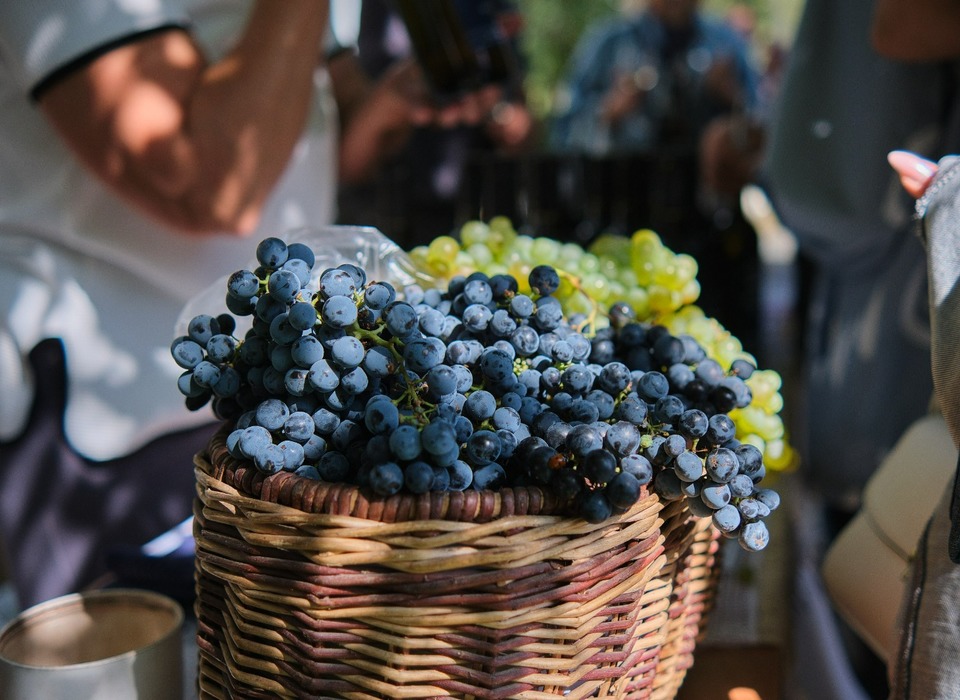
column 365, row 246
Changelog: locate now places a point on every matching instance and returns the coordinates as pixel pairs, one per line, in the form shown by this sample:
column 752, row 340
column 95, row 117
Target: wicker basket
column 310, row 590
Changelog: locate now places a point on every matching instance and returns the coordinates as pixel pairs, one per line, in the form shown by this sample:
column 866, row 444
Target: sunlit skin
column 740, row 693
column 198, row 146
column 915, row 172
column 916, row 30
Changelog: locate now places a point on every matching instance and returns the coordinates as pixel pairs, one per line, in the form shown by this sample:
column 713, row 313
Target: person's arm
column 199, row 146
column 374, row 122
column 916, row 30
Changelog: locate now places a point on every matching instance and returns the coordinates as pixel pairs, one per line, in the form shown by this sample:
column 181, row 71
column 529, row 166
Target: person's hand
column 623, row 97
column 915, row 172
column 731, row 149
column 510, row 126
column 405, row 80
column 721, row 81
column 378, row 118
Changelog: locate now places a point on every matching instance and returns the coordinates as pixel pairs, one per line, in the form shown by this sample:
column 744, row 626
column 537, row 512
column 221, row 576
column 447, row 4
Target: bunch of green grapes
column 659, row 284
column 760, row 423
column 639, row 270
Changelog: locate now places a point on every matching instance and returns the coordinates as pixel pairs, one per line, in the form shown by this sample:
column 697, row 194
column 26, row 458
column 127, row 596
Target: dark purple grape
column 544, row 280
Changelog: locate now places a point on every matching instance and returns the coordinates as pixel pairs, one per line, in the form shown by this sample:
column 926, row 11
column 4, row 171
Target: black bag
column 63, row 517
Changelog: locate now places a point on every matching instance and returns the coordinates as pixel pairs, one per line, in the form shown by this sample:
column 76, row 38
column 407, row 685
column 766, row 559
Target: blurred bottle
column 458, row 43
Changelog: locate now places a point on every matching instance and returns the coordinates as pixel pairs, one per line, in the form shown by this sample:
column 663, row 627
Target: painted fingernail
column 907, row 163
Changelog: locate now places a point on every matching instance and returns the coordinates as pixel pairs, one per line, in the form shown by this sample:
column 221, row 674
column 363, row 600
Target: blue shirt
column 670, row 69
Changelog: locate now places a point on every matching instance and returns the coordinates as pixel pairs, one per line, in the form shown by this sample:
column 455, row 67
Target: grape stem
column 590, row 321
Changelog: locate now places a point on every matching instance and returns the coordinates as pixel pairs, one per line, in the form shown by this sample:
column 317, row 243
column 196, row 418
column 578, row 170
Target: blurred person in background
column 653, row 79
column 743, row 20
column 842, row 108
column 667, row 93
column 866, row 341
column 415, row 195
column 144, row 148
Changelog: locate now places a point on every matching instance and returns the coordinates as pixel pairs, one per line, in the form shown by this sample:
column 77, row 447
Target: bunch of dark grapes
column 345, row 379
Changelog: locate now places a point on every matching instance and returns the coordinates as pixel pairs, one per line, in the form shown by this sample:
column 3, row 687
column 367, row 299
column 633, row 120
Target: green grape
column 609, row 267
column 480, row 255
column 418, row 256
column 520, row 269
column 662, row 300
column 616, row 291
column 442, row 248
column 566, row 288
column 589, row 263
column 660, row 285
column 752, row 439
column 645, row 249
column 463, row 261
column 578, row 303
column 570, row 253
column 666, row 274
column 545, row 251
column 765, row 384
column 502, row 234
column 639, row 300
column 595, row 285
column 628, row 278
column 609, row 245
column 687, row 267
column 441, row 256
column 513, row 257
column 474, row 233
column 690, row 292
column 778, row 455
column 497, row 268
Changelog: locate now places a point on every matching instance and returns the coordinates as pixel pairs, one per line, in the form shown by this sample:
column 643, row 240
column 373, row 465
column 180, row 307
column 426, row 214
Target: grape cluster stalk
column 486, row 383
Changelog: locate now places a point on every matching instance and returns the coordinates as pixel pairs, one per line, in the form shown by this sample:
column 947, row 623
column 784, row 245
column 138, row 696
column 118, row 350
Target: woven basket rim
column 313, row 597
column 311, row 496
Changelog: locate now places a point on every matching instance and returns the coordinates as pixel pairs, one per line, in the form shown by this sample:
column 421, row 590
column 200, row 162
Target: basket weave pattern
column 309, row 590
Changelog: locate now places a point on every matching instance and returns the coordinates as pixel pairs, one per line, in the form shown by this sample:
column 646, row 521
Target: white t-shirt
column 78, row 263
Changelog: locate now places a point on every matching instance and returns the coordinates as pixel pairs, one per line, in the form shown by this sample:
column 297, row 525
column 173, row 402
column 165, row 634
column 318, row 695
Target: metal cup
column 112, row 644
